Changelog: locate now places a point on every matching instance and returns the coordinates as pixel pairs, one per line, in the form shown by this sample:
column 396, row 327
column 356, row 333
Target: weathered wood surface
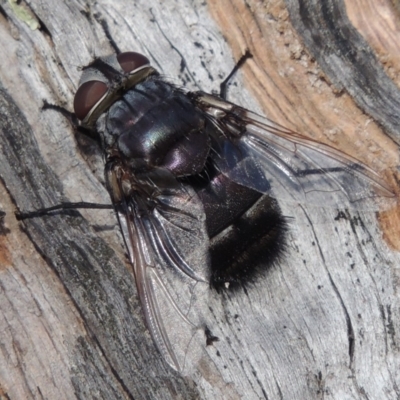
column 324, row 324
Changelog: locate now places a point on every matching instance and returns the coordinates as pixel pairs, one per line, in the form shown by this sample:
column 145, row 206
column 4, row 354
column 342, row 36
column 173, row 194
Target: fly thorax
column 156, row 126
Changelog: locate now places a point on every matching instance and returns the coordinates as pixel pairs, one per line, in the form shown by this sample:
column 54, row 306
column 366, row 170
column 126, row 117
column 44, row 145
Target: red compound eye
column 130, row 61
column 87, row 96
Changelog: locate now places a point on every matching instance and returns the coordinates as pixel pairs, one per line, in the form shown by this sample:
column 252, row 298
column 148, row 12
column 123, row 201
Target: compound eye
column 87, row 96
column 130, row 61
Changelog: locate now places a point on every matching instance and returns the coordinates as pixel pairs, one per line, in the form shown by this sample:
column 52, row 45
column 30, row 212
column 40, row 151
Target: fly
column 193, row 179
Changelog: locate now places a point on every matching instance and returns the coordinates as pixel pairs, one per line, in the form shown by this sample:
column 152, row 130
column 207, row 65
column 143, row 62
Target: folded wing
column 168, row 249
column 258, row 153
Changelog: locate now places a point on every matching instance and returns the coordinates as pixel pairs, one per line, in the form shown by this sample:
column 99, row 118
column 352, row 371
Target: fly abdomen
column 251, row 242
column 246, row 228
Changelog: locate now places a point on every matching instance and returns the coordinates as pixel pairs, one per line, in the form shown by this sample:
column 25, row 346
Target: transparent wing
column 168, row 249
column 258, row 153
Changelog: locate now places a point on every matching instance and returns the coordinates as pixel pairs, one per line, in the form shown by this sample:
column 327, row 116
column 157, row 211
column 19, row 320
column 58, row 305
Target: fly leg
column 224, row 85
column 64, row 207
column 61, row 207
column 72, row 119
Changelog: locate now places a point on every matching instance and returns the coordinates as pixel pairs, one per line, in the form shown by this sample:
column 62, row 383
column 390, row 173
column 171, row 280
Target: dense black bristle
column 255, row 241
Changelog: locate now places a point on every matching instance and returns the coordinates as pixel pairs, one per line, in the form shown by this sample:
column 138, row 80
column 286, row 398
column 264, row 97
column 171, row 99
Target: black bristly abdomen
column 246, row 228
column 253, row 241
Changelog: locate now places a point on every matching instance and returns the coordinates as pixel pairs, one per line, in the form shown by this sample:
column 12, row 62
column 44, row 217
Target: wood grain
column 322, row 324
